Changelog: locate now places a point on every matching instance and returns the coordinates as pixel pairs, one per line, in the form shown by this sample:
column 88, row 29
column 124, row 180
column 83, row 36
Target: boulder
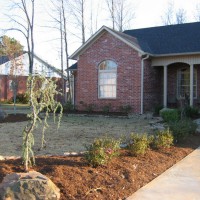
column 32, row 185
column 2, row 158
column 3, row 114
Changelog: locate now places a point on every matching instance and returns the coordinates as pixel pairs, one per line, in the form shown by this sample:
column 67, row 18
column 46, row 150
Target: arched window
column 183, row 83
column 107, row 84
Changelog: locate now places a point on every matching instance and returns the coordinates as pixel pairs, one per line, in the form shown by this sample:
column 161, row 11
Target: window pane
column 108, row 65
column 107, row 79
column 183, row 87
column 107, row 91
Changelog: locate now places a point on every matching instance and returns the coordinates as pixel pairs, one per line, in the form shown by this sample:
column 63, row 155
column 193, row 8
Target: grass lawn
column 11, row 106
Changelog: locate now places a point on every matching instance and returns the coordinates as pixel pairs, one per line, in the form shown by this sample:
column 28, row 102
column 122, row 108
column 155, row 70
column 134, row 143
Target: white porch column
column 165, row 87
column 191, row 84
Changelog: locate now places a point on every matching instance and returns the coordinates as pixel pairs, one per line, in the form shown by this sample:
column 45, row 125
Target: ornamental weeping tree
column 42, row 92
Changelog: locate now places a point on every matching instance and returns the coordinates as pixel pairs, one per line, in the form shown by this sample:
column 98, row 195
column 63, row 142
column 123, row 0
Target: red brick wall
column 3, row 86
column 153, row 87
column 128, row 74
column 6, row 93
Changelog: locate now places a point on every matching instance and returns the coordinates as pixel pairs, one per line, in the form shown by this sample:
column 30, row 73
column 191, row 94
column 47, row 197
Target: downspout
column 73, row 98
column 142, row 84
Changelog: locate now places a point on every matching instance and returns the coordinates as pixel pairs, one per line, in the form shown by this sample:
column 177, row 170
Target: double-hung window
column 183, row 83
column 107, row 83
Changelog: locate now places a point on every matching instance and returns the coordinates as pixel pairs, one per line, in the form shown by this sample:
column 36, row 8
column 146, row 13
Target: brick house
column 140, row 68
column 20, row 73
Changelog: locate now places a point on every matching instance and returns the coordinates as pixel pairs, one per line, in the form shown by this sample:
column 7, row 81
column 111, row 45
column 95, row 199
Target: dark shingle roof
column 73, row 67
column 3, row 59
column 172, row 39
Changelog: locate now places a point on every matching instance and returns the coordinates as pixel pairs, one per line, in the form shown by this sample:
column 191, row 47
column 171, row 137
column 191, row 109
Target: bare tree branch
column 121, row 13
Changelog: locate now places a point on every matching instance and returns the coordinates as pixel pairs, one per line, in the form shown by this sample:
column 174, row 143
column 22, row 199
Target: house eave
column 71, row 70
column 175, row 54
column 98, row 34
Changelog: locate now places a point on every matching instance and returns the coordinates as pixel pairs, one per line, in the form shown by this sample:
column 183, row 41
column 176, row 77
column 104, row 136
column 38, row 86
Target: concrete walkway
column 180, row 182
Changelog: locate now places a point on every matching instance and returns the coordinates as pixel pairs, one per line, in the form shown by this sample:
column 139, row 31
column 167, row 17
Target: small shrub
column 106, row 108
column 139, row 144
column 102, row 151
column 68, row 106
column 9, row 101
column 157, row 109
column 20, row 98
column 163, row 139
column 89, row 107
column 170, row 115
column 81, row 102
column 181, row 129
column 191, row 111
column 126, row 108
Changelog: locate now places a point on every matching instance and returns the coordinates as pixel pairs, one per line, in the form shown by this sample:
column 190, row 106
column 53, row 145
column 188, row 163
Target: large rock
column 28, row 186
column 3, row 114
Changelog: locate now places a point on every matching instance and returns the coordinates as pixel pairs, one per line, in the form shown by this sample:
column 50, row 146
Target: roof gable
column 5, row 66
column 3, row 59
column 129, row 40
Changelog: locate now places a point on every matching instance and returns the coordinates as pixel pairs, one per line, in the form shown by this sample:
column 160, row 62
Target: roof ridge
column 160, row 26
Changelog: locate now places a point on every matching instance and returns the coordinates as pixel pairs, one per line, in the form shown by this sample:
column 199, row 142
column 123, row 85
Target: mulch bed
column 15, row 118
column 122, row 177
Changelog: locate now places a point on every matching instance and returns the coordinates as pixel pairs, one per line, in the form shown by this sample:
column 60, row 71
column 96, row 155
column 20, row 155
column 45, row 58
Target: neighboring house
column 140, row 68
column 21, row 72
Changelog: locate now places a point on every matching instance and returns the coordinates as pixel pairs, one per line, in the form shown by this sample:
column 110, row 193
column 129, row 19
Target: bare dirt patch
column 74, row 132
column 76, row 180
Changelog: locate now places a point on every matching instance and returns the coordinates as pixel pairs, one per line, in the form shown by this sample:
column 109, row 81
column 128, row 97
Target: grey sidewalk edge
column 180, row 182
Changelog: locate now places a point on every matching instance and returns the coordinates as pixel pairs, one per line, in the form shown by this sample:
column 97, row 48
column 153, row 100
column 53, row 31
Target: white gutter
column 142, row 84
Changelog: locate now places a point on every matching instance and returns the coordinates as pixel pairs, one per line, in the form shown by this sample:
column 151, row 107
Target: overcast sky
column 147, row 14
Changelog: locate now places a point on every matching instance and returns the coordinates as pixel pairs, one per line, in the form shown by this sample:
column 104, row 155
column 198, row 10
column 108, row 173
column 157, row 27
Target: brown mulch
column 122, row 177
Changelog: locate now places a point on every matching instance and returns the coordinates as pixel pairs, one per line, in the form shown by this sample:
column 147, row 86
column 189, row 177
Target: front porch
column 180, row 81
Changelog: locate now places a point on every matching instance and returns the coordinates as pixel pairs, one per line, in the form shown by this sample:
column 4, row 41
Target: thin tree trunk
column 61, row 58
column 66, row 50
column 83, row 22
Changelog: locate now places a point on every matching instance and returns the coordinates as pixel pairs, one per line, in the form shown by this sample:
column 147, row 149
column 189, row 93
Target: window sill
column 104, row 98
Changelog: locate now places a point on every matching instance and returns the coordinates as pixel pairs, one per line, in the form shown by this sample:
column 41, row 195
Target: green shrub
column 126, row 108
column 102, row 151
column 163, row 139
column 191, row 111
column 181, row 129
column 170, row 115
column 9, row 101
column 106, row 108
column 89, row 107
column 157, row 109
column 20, row 98
column 68, row 106
column 139, row 144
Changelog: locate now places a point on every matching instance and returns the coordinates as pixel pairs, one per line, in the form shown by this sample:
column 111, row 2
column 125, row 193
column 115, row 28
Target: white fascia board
column 175, row 54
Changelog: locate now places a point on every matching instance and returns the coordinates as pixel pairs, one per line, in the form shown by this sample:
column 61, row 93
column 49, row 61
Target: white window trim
column 177, row 84
column 106, row 71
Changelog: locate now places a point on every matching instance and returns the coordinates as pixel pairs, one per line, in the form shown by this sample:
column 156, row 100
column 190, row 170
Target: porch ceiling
column 167, row 60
